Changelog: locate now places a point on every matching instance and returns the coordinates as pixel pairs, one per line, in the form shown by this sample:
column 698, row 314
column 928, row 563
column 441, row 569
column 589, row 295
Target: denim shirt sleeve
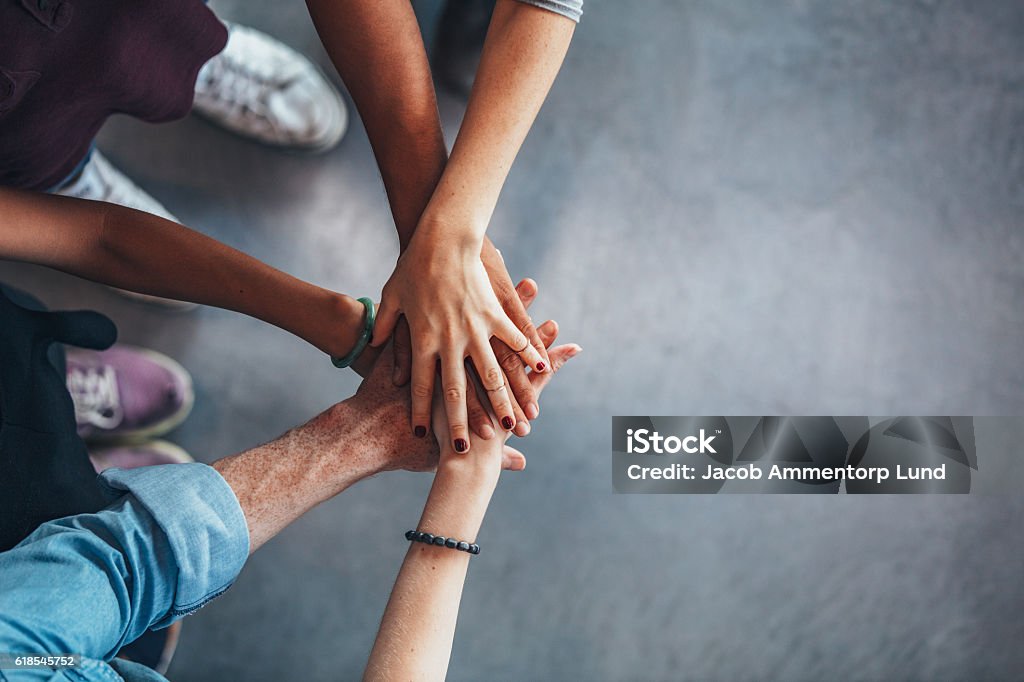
column 174, row 538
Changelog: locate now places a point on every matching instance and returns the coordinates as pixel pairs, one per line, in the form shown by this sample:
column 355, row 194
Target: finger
column 453, row 389
column 403, row 353
column 524, row 402
column 492, row 379
column 518, row 383
column 559, row 356
column 387, row 318
column 522, row 423
column 515, row 339
column 527, row 290
column 479, row 420
column 424, row 367
column 548, row 332
column 512, row 459
column 515, row 309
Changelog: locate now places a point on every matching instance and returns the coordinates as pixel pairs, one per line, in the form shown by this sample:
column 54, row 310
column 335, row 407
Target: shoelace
column 94, row 392
column 229, row 79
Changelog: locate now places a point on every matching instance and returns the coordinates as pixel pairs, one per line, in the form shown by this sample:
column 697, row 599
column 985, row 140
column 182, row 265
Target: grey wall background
column 802, row 207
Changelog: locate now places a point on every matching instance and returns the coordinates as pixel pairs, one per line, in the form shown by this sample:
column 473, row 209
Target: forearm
column 377, row 49
column 140, row 252
column 418, row 627
column 523, row 52
column 278, row 482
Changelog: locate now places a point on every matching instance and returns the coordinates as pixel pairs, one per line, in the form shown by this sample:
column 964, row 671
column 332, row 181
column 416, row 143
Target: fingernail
column 461, row 445
column 486, row 432
column 507, row 423
column 421, row 431
column 396, row 375
column 522, row 428
column 541, row 366
column 532, row 411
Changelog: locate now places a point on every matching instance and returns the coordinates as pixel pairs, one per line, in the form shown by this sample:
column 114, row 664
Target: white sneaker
column 260, row 88
column 100, row 181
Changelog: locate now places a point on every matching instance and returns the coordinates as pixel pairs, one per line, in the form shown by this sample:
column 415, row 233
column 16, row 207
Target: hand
column 515, row 374
column 382, row 408
column 444, row 292
column 522, row 393
column 489, row 453
column 514, row 301
column 479, row 418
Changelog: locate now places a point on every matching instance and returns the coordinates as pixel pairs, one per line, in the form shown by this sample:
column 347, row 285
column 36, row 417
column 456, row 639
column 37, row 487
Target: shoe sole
column 169, row 305
column 175, row 453
column 167, row 424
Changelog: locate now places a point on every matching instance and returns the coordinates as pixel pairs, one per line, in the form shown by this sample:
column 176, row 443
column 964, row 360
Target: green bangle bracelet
column 364, row 338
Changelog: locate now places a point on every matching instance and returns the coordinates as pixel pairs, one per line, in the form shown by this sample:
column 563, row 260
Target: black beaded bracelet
column 441, row 541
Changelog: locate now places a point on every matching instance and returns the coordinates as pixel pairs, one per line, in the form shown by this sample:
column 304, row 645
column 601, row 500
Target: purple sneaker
column 145, row 454
column 127, row 393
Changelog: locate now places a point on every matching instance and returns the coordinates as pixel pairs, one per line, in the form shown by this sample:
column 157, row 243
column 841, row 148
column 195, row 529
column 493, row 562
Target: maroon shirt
column 67, row 65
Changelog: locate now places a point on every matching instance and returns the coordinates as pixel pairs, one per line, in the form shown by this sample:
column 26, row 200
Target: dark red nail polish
column 460, row 445
column 541, row 366
column 507, row 423
column 420, row 431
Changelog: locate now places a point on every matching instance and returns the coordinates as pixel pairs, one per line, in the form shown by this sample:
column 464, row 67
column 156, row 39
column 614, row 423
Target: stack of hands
column 447, row 303
column 418, row 626
column 466, row 400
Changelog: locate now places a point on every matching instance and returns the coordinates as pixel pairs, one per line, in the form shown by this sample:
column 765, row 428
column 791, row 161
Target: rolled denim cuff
column 203, row 522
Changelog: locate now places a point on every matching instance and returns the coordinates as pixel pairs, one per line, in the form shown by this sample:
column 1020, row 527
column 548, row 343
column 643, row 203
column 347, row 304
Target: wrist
column 458, row 500
column 449, row 231
column 344, row 324
column 478, row 471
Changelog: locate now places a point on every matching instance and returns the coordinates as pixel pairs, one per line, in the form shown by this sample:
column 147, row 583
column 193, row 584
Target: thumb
column 559, row 356
column 512, row 459
column 387, row 318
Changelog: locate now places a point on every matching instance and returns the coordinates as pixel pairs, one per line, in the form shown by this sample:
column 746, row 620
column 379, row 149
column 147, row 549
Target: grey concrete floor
column 802, row 207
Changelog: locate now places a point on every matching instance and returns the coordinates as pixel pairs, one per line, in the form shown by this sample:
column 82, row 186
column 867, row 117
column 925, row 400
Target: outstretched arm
column 523, row 53
column 418, row 627
column 377, row 49
column 177, row 535
column 140, row 252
